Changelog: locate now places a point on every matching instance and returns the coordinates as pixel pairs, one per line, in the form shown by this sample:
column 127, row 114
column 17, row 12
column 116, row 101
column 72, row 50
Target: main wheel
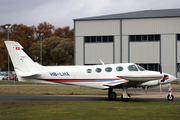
column 169, row 97
column 112, row 95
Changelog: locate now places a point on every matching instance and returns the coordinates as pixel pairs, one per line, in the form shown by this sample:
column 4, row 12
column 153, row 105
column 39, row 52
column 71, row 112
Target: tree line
column 57, row 43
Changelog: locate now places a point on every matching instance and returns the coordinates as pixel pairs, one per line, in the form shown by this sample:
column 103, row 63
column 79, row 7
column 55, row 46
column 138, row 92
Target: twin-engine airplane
column 105, row 76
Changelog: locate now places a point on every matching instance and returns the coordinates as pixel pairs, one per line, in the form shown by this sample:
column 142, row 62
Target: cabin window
column 89, row 70
column 108, row 69
column 132, row 68
column 119, row 68
column 98, row 70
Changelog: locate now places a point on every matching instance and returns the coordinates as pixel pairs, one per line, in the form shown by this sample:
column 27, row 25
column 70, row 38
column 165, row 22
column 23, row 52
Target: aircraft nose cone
column 172, row 78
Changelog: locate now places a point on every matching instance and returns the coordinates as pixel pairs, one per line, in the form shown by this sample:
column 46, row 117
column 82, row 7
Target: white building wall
column 150, row 26
column 144, row 52
column 178, row 59
column 97, row 27
column 167, row 28
column 168, row 53
column 141, row 52
column 125, row 49
column 178, row 51
column 79, row 50
column 117, row 49
column 96, row 51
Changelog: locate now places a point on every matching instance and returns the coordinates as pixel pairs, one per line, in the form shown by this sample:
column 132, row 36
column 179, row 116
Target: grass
column 16, row 82
column 51, row 90
column 48, row 90
column 90, row 110
column 104, row 110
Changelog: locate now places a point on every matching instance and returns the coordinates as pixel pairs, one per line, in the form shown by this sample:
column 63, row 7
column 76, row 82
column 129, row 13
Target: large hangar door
column 145, row 52
column 95, row 51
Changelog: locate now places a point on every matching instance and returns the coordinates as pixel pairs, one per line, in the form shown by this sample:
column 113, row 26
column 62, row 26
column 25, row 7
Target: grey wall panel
column 144, row 52
column 125, row 49
column 97, row 27
column 117, row 49
column 168, row 53
column 151, row 26
column 79, row 48
column 178, row 51
column 96, row 51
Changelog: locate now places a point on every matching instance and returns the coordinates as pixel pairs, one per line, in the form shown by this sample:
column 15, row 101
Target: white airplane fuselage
column 78, row 75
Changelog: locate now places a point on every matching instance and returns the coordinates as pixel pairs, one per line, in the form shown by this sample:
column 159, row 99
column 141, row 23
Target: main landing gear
column 169, row 96
column 112, row 95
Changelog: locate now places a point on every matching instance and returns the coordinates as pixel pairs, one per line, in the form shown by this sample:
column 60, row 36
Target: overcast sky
column 61, row 13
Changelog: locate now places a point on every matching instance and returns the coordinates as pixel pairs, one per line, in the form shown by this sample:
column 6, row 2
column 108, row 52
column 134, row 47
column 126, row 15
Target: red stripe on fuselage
column 79, row 79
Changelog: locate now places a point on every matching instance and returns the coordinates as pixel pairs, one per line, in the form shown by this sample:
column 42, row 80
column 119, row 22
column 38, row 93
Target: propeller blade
column 160, row 89
column 145, row 88
column 160, row 68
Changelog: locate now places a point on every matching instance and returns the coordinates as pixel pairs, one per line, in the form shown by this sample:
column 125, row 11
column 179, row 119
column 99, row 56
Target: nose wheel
column 169, row 96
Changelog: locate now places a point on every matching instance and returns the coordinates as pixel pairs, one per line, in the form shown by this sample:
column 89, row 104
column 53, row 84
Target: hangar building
column 145, row 37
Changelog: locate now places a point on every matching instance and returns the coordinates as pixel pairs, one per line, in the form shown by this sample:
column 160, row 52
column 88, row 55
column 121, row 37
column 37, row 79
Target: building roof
column 138, row 14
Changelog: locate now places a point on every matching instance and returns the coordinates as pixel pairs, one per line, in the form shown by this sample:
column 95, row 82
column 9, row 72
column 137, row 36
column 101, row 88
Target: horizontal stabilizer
column 29, row 74
column 116, row 82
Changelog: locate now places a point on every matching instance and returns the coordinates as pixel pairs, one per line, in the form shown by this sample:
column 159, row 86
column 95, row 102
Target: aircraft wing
column 116, row 82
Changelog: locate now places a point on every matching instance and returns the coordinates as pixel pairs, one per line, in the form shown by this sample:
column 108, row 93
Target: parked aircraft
column 105, row 76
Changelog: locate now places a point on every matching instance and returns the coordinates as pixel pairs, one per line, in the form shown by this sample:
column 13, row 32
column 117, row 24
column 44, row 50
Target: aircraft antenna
column 101, row 62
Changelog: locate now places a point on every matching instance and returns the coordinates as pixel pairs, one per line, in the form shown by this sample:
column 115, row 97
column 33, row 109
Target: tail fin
column 23, row 64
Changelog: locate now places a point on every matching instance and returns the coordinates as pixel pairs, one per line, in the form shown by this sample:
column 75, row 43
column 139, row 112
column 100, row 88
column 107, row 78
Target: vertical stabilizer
column 22, row 62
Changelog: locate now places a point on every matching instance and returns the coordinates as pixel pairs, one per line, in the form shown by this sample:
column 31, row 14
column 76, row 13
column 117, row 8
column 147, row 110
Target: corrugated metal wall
column 96, row 51
column 90, row 53
column 125, row 49
column 79, row 50
column 167, row 28
column 140, row 52
column 97, row 27
column 178, row 51
column 117, row 48
column 144, row 52
column 168, row 53
column 151, row 26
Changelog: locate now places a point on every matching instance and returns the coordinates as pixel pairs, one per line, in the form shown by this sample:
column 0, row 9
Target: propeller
column 160, row 89
column 160, row 86
column 165, row 77
column 160, row 68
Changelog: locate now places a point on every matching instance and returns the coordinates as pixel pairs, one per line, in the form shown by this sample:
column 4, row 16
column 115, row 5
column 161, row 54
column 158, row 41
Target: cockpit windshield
column 132, row 68
column 141, row 68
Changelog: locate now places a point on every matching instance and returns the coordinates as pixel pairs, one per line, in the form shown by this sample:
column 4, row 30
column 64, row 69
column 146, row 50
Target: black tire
column 170, row 97
column 112, row 95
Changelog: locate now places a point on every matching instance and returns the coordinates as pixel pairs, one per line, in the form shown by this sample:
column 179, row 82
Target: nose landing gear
column 169, row 96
